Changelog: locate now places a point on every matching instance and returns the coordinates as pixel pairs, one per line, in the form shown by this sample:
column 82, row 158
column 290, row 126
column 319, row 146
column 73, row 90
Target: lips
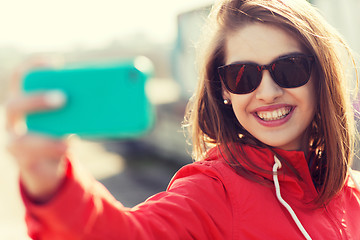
column 272, row 116
column 275, row 114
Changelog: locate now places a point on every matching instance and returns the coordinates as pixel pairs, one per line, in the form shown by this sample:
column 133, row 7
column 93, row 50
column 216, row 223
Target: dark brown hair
column 212, row 123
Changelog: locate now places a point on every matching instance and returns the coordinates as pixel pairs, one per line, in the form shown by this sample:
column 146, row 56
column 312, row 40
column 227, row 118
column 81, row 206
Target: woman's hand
column 40, row 159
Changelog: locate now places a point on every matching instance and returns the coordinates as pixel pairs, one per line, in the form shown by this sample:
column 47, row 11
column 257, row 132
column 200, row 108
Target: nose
column 268, row 90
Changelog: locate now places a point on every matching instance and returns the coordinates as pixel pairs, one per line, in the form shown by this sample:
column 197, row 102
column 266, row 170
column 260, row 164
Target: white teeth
column 274, row 115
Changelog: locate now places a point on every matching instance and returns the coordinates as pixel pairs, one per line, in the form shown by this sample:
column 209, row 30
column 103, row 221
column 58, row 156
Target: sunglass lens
column 240, row 78
column 291, row 72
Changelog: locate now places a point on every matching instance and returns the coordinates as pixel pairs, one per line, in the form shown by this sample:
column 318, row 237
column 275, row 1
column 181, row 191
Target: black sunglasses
column 289, row 71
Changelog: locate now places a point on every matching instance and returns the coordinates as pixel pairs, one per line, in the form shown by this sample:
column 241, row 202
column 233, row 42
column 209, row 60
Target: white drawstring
column 353, row 179
column 277, row 166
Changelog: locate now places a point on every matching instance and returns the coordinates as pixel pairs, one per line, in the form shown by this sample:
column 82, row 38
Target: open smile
column 276, row 114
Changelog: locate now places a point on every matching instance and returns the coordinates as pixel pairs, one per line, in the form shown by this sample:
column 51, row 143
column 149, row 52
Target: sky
column 40, row 25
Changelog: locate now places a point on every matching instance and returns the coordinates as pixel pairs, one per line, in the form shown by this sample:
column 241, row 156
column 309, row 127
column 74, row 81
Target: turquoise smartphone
column 105, row 100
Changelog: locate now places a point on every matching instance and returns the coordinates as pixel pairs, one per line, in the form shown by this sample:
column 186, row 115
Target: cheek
column 240, row 105
column 305, row 99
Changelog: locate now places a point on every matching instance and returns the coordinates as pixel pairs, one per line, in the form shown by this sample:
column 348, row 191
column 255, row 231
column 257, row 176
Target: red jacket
column 204, row 200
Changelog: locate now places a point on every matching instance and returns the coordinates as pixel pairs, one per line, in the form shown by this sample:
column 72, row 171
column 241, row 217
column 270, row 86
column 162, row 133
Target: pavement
column 130, row 174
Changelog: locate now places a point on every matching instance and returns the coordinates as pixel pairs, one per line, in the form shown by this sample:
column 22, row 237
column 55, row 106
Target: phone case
column 103, row 101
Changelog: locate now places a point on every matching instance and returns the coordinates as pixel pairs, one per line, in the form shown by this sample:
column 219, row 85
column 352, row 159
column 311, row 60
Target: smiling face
column 276, row 116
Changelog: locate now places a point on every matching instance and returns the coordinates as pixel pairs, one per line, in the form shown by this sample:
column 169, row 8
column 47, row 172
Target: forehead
column 260, row 43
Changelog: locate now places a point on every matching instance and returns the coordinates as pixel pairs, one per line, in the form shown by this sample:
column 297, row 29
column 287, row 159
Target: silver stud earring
column 226, row 101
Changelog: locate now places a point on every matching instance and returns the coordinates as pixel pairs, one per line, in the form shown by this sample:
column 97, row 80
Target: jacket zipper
column 336, row 225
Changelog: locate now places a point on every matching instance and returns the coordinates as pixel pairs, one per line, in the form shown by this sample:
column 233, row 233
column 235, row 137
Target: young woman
column 272, row 133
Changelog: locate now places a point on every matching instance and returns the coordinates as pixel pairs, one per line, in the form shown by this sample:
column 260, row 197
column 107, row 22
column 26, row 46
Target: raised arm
column 195, row 206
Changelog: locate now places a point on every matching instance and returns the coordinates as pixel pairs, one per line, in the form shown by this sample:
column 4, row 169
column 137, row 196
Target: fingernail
column 55, row 98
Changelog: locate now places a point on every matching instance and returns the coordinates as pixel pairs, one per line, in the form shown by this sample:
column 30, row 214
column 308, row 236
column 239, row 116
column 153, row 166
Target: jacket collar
column 301, row 188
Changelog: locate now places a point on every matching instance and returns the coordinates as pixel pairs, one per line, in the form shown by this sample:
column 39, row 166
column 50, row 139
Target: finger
column 39, row 101
column 38, row 61
column 17, row 107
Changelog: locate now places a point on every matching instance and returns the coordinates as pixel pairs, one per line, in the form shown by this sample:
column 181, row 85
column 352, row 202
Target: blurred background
column 166, row 32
